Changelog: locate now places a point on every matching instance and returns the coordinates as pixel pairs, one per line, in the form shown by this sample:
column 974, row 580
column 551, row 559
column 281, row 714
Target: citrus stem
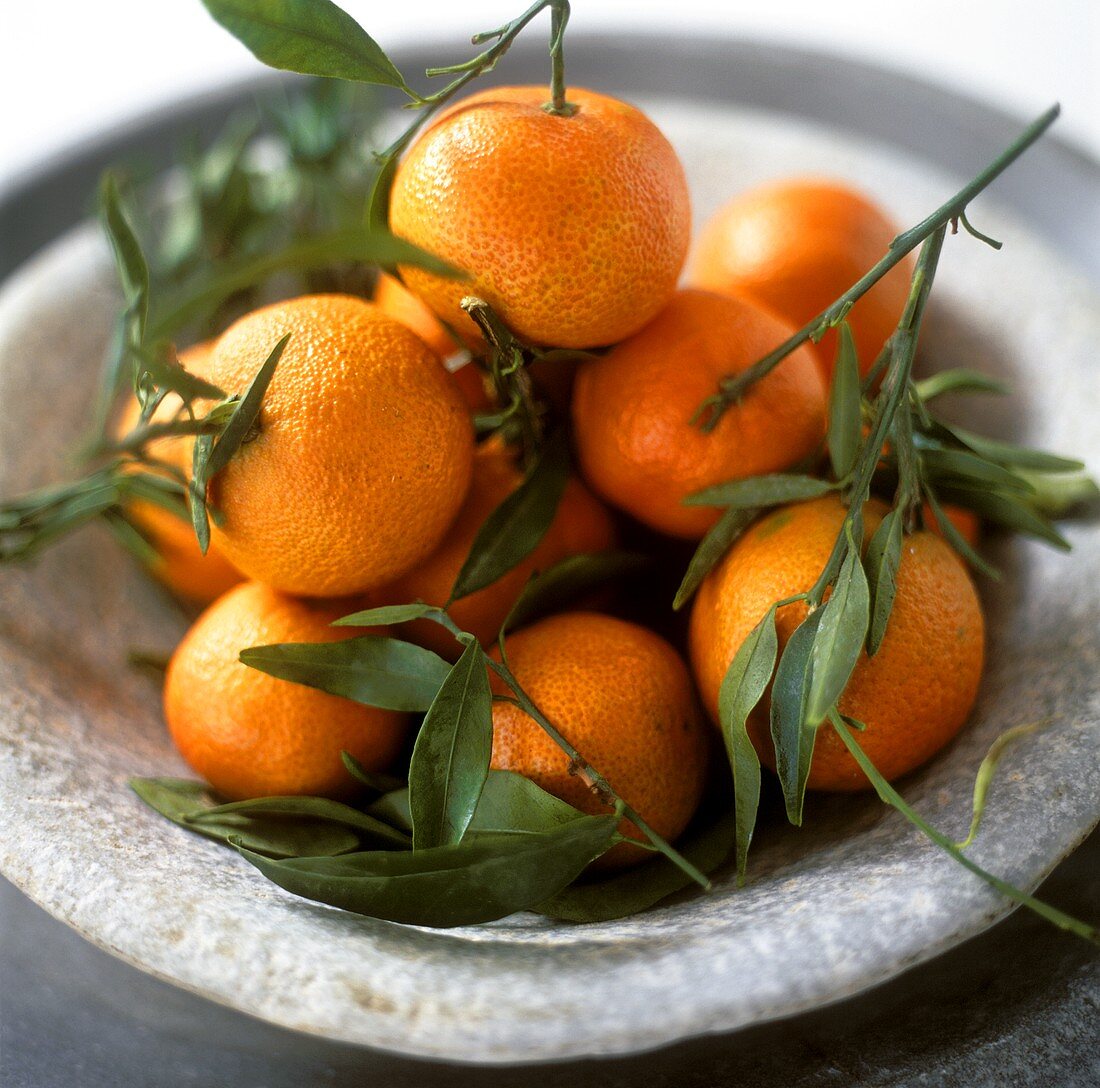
column 891, row 797
column 731, row 389
column 559, row 17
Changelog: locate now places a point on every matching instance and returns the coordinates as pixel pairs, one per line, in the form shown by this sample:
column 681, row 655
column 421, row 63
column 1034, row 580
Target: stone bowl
column 852, row 899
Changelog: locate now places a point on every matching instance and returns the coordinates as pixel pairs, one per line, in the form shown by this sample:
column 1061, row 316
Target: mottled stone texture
column 852, row 899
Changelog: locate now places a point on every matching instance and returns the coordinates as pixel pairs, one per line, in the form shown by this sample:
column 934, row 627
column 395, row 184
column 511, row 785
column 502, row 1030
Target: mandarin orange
column 252, row 735
column 363, row 455
column 623, row 697
column 573, row 228
column 633, row 409
column 794, row 247
column 914, row 694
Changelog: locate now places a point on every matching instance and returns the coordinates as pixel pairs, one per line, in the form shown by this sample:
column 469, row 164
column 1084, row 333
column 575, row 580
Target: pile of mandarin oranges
column 366, row 482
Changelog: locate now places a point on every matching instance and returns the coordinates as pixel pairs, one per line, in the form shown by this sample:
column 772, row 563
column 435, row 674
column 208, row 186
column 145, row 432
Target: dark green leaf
column 743, row 686
column 573, row 578
column 378, row 202
column 307, row 808
column 478, row 880
column 882, row 562
column 314, row 37
column 947, row 464
column 376, row 781
column 644, row 886
column 511, row 803
column 372, row 669
column 130, row 537
column 182, row 801
column 844, row 407
column 1004, row 453
column 1010, row 511
column 712, row 548
column 451, row 756
column 133, row 270
column 388, row 615
column 792, row 733
column 956, row 539
column 840, row 636
column 196, row 489
column 960, row 380
column 246, row 414
column 393, row 808
column 515, row 528
column 163, row 367
column 759, row 491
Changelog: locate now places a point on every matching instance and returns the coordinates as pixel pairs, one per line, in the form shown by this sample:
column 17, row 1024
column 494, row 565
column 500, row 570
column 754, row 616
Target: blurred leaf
column 451, row 756
column 945, row 464
column 956, row 539
column 388, row 615
column 375, row 781
column 959, row 380
column 372, row 669
column 1057, row 495
column 1004, row 453
column 133, row 269
column 1011, row 512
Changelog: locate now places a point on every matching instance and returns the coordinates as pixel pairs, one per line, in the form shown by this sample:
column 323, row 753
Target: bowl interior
column 849, row 900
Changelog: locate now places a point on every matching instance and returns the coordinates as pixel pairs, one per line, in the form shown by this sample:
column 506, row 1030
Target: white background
column 71, row 68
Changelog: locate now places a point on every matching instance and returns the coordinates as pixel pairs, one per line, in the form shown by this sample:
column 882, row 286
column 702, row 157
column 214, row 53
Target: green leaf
column 956, row 539
column 183, row 802
column 792, row 733
column 314, row 37
column 642, row 887
column 246, row 414
column 844, row 407
column 961, row 380
column 478, row 880
column 393, row 808
column 515, row 528
column 511, row 803
column 308, row 808
column 164, row 369
column 882, row 561
column 388, row 615
column 984, row 778
column 1004, row 453
column 712, row 548
column 451, row 756
column 758, row 491
column 378, row 201
column 574, row 577
column 1007, row 510
column 840, row 636
column 376, row 781
column 944, row 465
column 133, row 269
column 196, row 489
column 372, row 669
column 742, row 688
column 1056, row 495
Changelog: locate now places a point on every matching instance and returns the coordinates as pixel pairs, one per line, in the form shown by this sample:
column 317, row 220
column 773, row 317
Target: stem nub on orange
column 180, row 564
column 581, row 525
column 252, row 735
column 573, row 228
column 623, row 697
column 633, row 410
column 795, row 247
column 914, row 694
column 363, row 455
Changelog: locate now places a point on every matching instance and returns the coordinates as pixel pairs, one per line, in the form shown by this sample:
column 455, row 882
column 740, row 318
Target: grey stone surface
column 849, row 901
